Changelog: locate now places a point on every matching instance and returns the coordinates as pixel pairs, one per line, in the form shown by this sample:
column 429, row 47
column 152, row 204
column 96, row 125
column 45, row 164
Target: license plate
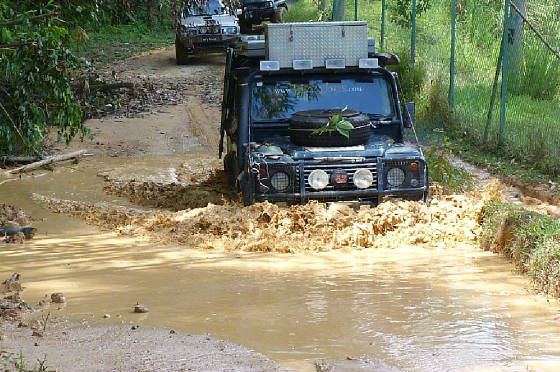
column 215, row 38
column 340, row 177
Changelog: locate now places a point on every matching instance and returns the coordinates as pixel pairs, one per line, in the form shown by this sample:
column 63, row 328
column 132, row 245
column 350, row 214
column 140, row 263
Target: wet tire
column 279, row 15
column 247, row 188
column 181, row 53
column 302, row 124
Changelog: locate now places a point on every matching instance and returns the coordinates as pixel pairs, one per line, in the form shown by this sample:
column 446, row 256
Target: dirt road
column 400, row 287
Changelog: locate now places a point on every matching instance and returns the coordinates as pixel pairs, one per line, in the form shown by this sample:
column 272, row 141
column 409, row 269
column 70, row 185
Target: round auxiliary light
column 363, row 178
column 204, row 30
column 395, row 177
column 318, row 179
column 414, row 166
column 280, row 181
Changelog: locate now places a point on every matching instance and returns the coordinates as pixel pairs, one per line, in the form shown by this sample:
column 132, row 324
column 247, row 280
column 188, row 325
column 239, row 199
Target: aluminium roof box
column 316, row 41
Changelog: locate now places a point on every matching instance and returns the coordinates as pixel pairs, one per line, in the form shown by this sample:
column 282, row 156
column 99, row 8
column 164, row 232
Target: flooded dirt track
column 401, row 287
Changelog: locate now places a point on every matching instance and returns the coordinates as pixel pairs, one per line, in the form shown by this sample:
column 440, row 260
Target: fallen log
column 11, row 159
column 49, row 160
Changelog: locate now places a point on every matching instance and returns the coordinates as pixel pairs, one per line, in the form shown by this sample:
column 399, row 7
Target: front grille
column 350, row 168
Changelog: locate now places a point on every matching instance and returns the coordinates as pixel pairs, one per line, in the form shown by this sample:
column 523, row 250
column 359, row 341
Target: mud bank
column 67, row 347
column 448, row 220
column 188, row 185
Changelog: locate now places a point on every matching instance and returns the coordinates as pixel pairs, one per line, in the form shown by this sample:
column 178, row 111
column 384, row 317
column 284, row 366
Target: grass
column 531, row 240
column 117, row 42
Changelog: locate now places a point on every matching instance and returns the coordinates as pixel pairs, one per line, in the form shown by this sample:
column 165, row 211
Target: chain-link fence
column 519, row 117
column 531, row 128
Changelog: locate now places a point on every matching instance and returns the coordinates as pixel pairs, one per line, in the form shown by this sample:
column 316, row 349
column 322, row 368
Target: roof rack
column 306, row 45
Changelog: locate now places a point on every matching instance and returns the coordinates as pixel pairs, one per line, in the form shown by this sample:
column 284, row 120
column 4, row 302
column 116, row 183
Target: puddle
column 416, row 306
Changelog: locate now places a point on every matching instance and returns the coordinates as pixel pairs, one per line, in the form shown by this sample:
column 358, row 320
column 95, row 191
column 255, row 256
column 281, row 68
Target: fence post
column 505, row 42
column 452, row 64
column 338, row 10
column 413, row 34
column 383, row 16
column 493, row 97
column 355, row 10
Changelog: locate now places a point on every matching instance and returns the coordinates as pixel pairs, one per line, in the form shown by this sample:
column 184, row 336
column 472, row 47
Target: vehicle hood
column 222, row 19
column 377, row 146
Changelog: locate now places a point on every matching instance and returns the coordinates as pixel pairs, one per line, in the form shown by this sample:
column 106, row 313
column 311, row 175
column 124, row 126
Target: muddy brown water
column 412, row 308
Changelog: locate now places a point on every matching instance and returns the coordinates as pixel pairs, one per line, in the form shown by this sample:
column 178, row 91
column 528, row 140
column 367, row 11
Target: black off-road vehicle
column 255, row 12
column 318, row 118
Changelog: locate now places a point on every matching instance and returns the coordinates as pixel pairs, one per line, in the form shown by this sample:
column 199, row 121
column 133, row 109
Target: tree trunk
column 515, row 38
column 149, row 7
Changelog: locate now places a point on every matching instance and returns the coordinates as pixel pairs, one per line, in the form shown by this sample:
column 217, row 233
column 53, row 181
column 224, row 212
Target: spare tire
column 303, row 123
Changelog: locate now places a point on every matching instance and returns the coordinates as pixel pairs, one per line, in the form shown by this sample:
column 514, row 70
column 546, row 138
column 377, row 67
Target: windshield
column 203, row 8
column 276, row 100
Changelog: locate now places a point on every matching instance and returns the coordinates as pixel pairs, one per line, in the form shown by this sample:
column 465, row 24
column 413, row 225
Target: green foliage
column 411, row 76
column 442, row 171
column 338, row 123
column 435, row 105
column 306, row 11
column 401, row 11
column 530, row 239
column 35, row 93
column 110, row 42
column 539, row 77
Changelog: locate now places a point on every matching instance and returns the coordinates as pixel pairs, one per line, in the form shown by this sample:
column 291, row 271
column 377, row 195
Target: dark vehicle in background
column 278, row 114
column 255, row 12
column 205, row 26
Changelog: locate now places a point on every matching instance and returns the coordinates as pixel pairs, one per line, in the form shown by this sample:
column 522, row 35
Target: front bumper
column 361, row 196
column 207, row 41
column 302, row 193
column 255, row 16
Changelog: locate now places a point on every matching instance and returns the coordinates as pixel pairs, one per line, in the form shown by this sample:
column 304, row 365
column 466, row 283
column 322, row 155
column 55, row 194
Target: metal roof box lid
column 316, row 41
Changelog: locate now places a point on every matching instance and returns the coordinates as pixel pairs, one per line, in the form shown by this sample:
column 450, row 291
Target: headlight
column 280, row 181
column 203, row 30
column 363, row 178
column 395, row 177
column 229, row 30
column 269, row 4
column 318, row 179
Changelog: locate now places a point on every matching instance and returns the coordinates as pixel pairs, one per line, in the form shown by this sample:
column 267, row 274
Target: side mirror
column 409, row 114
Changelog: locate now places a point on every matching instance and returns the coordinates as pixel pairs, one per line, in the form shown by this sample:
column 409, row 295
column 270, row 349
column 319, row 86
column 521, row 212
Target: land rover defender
column 312, row 113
